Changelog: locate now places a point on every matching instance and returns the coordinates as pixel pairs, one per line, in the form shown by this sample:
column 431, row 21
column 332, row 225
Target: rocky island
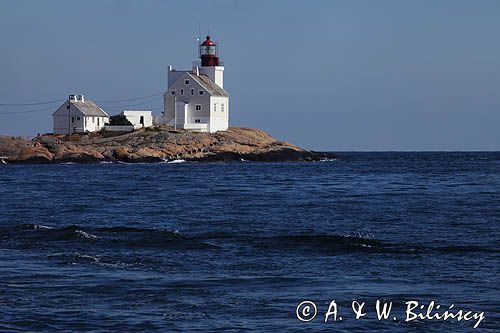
column 154, row 144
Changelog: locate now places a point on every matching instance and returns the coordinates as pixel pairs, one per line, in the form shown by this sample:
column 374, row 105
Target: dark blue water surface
column 236, row 247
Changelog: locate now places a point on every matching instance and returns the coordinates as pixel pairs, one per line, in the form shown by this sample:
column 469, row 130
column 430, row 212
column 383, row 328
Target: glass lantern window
column 208, row 50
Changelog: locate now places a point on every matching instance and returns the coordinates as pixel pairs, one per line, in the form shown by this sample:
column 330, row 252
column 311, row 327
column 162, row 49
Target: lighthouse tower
column 211, row 66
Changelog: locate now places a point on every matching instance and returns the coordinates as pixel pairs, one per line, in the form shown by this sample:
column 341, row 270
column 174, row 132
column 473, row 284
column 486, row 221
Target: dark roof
column 208, row 42
column 210, row 86
column 89, row 108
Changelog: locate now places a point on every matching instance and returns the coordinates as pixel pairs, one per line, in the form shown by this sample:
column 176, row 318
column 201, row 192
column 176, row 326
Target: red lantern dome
column 208, row 53
column 208, row 42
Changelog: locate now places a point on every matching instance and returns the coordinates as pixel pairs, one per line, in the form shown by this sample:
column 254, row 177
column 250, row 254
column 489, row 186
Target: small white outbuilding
column 139, row 118
column 78, row 115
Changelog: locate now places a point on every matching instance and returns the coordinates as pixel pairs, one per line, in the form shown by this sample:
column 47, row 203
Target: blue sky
column 326, row 75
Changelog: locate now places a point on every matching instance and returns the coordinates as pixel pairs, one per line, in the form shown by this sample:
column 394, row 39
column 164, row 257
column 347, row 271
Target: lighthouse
column 211, row 66
column 195, row 100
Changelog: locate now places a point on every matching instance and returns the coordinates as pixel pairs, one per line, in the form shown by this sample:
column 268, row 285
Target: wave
column 459, row 249
column 324, row 244
column 37, row 227
column 86, row 235
column 332, row 244
column 315, row 243
column 34, row 235
column 341, row 244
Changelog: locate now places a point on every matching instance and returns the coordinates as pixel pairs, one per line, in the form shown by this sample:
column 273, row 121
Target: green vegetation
column 119, row 120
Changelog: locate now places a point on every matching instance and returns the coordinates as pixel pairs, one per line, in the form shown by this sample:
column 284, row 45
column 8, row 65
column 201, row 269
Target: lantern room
column 208, row 53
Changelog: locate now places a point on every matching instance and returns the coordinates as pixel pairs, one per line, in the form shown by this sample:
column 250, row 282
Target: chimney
column 81, row 98
column 197, row 71
column 72, row 98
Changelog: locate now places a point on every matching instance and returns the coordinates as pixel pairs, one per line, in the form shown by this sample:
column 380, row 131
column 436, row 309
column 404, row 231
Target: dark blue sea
column 236, row 247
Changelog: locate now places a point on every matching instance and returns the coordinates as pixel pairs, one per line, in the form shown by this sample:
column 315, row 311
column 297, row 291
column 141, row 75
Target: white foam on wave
column 41, row 227
column 358, row 234
column 98, row 261
column 86, row 256
column 176, row 161
column 84, row 234
column 132, row 163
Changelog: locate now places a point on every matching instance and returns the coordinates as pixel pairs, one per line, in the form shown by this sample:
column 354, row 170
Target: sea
column 253, row 247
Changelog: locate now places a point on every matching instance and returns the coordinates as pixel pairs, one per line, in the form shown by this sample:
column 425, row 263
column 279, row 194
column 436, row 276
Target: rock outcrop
column 153, row 145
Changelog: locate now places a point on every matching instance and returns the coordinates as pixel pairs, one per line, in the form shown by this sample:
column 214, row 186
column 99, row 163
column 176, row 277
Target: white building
column 78, row 115
column 196, row 100
column 139, row 118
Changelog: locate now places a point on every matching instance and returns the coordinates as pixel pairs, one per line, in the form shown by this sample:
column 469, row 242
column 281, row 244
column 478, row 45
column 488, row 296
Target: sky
column 346, row 75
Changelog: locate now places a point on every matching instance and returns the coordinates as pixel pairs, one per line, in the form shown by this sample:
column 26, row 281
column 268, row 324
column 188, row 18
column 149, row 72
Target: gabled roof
column 209, row 85
column 204, row 81
column 88, row 108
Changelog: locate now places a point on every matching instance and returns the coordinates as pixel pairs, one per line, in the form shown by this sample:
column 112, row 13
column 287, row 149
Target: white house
column 78, row 115
column 139, row 118
column 196, row 99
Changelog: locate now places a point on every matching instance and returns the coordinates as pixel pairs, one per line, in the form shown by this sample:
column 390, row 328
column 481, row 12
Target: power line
column 28, row 104
column 128, row 100
column 108, row 107
column 28, row 111
column 124, row 106
column 61, row 100
column 51, row 108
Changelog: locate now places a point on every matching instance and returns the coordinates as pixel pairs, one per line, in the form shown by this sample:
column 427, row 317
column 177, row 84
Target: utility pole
column 175, row 112
column 69, row 118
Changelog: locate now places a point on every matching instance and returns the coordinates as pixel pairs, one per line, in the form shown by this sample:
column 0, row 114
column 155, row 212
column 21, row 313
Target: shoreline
column 156, row 145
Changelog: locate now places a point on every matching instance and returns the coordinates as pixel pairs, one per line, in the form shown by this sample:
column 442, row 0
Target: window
column 141, row 121
column 72, row 119
column 210, row 50
column 182, row 92
column 197, row 121
column 98, row 121
column 222, row 107
column 173, row 92
column 201, row 92
column 186, row 81
column 77, row 118
column 215, row 106
column 93, row 120
column 192, row 91
column 197, row 107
